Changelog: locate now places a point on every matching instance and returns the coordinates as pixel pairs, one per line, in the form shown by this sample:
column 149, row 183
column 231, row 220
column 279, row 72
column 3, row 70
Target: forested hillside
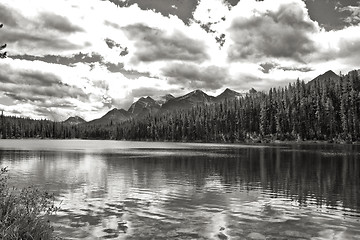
column 325, row 109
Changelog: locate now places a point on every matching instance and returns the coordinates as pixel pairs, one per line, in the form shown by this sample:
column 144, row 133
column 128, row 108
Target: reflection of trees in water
column 316, row 176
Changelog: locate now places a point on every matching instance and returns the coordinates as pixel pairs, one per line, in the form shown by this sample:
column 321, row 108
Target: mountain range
column 148, row 105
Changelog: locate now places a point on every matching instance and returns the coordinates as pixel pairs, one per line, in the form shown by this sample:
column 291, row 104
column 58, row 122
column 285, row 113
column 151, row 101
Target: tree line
column 320, row 110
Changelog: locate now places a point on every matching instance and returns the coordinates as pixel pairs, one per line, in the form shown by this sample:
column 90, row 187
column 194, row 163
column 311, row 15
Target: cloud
column 29, row 39
column 152, row 92
column 269, row 66
column 282, row 30
column 154, row 45
column 59, row 23
column 338, row 49
column 35, row 85
column 266, row 67
column 182, row 9
column 354, row 18
column 111, row 43
column 63, row 60
column 192, row 76
column 8, row 16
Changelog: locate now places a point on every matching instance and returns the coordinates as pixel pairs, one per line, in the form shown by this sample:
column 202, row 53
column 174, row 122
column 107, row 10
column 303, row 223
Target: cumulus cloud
column 282, row 30
column 33, row 85
column 88, row 60
column 59, row 23
column 154, row 44
column 8, row 16
column 192, row 76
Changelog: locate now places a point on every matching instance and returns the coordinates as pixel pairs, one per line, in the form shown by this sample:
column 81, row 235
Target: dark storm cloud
column 183, row 9
column 46, row 31
column 330, row 14
column 86, row 58
column 192, row 76
column 32, row 93
column 38, row 79
column 8, row 16
column 33, row 78
column 30, row 39
column 60, row 23
column 64, row 60
column 153, row 45
column 281, row 34
column 31, row 86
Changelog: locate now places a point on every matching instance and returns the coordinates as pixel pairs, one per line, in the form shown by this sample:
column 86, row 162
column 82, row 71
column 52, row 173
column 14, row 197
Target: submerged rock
column 256, row 236
column 222, row 236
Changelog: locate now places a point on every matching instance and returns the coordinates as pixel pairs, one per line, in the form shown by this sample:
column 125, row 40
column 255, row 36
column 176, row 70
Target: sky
column 84, row 58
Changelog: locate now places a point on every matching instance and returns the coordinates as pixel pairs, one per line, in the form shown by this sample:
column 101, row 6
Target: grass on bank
column 24, row 213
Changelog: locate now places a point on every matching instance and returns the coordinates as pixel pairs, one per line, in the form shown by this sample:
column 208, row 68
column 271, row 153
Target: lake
column 144, row 190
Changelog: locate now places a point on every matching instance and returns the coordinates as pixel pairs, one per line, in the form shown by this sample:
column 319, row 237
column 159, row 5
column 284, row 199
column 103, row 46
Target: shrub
column 24, row 214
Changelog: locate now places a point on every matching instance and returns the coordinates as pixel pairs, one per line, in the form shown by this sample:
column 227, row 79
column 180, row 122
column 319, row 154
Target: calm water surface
column 140, row 190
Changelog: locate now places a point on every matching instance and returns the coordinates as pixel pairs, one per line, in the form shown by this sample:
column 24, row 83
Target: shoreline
column 246, row 142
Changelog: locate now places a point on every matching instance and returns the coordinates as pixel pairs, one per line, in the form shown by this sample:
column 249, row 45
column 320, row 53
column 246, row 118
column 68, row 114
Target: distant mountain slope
column 163, row 99
column 143, row 107
column 112, row 117
column 227, row 94
column 327, row 76
column 187, row 101
column 74, row 120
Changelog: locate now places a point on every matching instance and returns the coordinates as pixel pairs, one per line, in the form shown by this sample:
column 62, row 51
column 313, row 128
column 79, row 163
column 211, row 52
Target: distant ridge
column 113, row 116
column 187, row 101
column 74, row 120
column 148, row 105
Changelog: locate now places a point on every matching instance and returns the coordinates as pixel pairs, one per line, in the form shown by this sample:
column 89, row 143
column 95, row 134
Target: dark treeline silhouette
column 15, row 127
column 319, row 110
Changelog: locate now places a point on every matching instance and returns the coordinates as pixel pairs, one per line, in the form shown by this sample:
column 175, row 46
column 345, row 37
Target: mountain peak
column 74, row 120
column 327, row 76
column 329, row 73
column 227, row 94
column 188, row 100
column 144, row 106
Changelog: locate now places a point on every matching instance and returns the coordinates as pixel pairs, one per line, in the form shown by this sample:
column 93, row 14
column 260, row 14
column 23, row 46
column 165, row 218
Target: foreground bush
column 24, row 213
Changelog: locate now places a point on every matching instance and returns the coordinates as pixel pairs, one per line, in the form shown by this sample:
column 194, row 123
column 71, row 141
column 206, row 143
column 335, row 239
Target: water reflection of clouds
column 195, row 193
